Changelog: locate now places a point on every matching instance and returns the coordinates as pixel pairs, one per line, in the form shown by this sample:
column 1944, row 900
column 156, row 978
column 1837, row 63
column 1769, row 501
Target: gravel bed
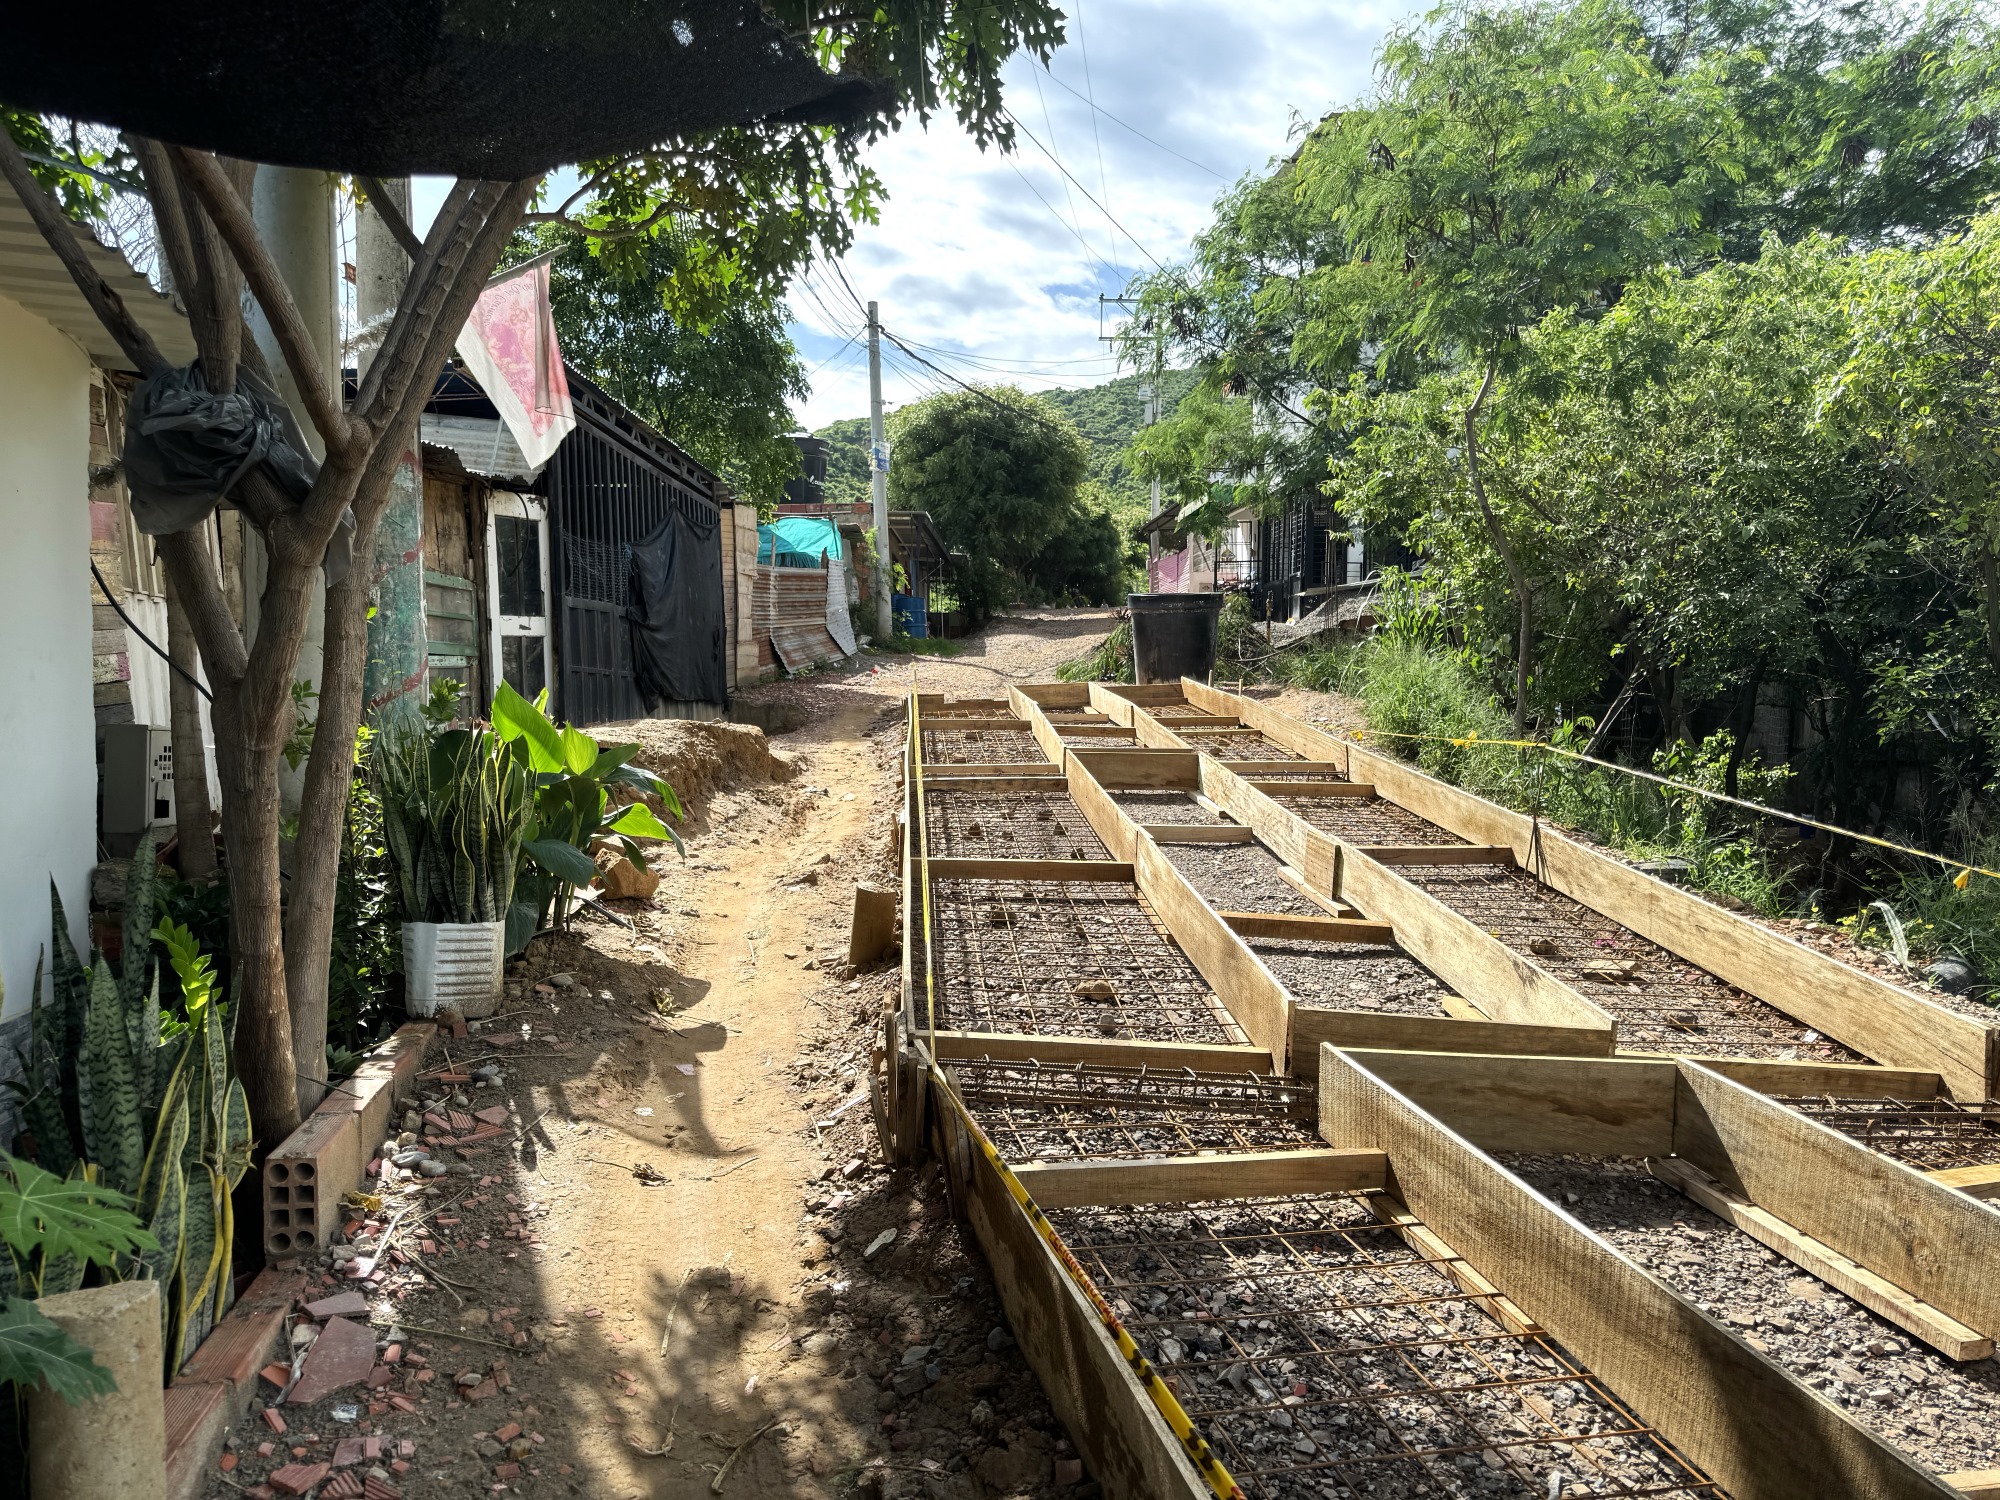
column 1321, row 1357
column 1152, row 806
column 1241, row 747
column 981, row 747
column 1944, row 1414
column 1030, row 956
column 1009, row 825
column 1340, row 976
column 1370, row 820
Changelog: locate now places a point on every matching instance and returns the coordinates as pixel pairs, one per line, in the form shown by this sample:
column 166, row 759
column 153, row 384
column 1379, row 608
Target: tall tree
column 721, row 388
column 1512, row 161
column 1000, row 472
column 756, row 200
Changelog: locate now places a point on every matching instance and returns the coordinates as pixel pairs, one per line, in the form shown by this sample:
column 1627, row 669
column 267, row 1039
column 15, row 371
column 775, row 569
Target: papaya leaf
column 40, row 1212
column 33, row 1350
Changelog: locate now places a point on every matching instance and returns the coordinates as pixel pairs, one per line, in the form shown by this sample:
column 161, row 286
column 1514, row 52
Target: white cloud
column 1002, row 258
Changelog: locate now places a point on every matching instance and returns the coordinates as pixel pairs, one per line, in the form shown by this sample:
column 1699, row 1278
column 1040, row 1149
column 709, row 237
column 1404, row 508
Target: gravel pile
column 1163, row 807
column 1944, row 1414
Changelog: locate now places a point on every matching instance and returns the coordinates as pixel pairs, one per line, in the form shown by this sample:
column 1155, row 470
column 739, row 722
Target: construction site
column 1331, row 1131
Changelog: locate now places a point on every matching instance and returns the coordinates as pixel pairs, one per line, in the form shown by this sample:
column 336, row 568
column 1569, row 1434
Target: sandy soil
column 638, row 1335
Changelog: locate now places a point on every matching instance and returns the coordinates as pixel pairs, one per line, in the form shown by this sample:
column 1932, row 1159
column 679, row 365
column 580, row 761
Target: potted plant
column 455, row 808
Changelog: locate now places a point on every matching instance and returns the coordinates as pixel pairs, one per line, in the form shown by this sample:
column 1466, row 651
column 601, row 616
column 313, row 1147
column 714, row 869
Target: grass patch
column 911, row 645
column 1110, row 662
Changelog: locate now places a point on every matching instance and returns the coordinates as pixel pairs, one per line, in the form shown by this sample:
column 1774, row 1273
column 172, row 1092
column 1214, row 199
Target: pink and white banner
column 509, row 347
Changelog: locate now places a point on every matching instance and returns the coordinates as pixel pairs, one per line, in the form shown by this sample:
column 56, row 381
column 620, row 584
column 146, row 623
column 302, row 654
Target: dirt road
column 751, row 1314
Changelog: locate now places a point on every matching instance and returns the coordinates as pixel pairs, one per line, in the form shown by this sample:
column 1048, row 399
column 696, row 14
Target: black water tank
column 1173, row 635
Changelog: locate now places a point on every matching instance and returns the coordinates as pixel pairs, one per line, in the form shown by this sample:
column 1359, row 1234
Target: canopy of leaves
column 722, row 389
column 1002, row 474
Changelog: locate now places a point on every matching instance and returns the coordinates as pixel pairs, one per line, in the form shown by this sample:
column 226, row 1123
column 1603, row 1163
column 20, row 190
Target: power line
column 1103, row 183
column 1134, row 129
column 1157, row 264
column 1049, row 121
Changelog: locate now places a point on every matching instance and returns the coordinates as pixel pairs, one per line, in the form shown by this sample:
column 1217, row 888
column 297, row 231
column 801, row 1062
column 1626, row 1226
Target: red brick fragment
column 274, row 1419
column 506, row 1471
column 346, row 1485
column 279, row 1375
column 343, row 1354
column 339, row 1305
column 496, row 1115
column 226, row 1463
column 508, row 1433
column 297, row 1479
column 381, row 1489
column 349, row 1450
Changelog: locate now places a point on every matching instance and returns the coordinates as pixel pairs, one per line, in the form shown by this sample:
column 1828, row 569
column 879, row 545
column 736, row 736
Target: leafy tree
column 847, row 473
column 1512, row 161
column 1000, row 472
column 721, row 389
column 751, row 203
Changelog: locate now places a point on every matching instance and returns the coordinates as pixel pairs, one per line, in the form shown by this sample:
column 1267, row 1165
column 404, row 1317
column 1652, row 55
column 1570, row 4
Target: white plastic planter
column 453, row 966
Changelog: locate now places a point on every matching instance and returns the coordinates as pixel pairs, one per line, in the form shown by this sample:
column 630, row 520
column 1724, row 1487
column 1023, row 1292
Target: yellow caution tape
column 1961, row 880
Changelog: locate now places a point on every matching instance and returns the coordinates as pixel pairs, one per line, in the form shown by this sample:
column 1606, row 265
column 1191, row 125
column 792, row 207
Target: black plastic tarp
column 673, row 606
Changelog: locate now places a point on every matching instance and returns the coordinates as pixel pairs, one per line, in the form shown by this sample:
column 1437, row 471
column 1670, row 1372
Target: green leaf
column 579, row 751
column 563, row 860
column 42, row 1212
column 141, row 896
column 515, row 718
column 116, row 1125
column 638, row 821
column 34, row 1350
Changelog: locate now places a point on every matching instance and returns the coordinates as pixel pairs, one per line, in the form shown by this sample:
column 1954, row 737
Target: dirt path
column 715, row 1044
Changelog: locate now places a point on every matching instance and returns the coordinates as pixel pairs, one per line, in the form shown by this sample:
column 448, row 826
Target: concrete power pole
column 394, row 683
column 878, row 475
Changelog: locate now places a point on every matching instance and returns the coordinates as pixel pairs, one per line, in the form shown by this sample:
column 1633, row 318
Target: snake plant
column 125, row 1099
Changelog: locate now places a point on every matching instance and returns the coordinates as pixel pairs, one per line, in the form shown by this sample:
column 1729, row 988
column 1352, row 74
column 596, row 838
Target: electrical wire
column 1134, row 129
column 158, row 650
column 1103, row 183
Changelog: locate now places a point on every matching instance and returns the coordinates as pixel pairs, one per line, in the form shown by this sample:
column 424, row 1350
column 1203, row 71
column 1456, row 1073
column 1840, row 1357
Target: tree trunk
column 323, row 808
column 1523, row 592
column 193, row 816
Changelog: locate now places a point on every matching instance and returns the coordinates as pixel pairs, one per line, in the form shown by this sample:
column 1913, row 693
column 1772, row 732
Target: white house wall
column 48, row 814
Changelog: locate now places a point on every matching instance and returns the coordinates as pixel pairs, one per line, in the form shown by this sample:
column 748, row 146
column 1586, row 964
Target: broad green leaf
column 579, row 751
column 515, row 718
column 639, row 822
column 42, row 1212
column 34, row 1350
column 562, row 860
column 612, row 758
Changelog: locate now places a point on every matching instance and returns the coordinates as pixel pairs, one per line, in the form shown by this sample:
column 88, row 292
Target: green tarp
column 797, row 541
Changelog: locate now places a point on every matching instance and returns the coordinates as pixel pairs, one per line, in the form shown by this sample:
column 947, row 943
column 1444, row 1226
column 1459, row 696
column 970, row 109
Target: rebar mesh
column 1164, row 806
column 1928, row 1134
column 1321, row 1356
column 1027, row 956
column 1226, row 747
column 1367, row 820
column 945, row 747
column 1009, row 825
column 1065, row 1112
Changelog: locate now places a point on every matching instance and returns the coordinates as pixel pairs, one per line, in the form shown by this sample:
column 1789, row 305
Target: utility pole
column 393, row 683
column 878, row 476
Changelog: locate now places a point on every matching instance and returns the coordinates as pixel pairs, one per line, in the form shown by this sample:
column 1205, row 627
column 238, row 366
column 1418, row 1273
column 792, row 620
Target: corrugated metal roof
column 31, row 275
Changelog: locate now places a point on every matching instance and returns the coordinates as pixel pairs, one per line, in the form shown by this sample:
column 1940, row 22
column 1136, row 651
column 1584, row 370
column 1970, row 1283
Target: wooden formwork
column 1406, row 1131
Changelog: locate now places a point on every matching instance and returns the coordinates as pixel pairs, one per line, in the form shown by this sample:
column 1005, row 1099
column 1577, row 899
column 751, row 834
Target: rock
column 1952, row 975
column 909, row 1382
column 881, row 1242
column 1068, row 1471
column 625, row 881
column 885, row 1401
column 821, row 1344
column 997, row 1339
column 562, row 981
column 1095, row 989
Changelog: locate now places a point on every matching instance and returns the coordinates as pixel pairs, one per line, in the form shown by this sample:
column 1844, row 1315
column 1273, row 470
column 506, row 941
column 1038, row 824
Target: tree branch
column 203, row 272
column 232, row 218
column 222, row 652
column 621, row 232
column 61, row 235
column 463, row 205
column 392, row 217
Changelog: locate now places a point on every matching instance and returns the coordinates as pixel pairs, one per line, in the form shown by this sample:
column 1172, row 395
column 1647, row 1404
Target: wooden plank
column 1273, row 767
column 1107, row 819
column 1508, row 986
column 1976, row 1484
column 1942, row 1332
column 1938, row 1245
column 990, row 768
column 1113, row 705
column 1600, row 1106
column 1147, row 693
column 1200, row 1179
column 1154, row 735
column 1248, row 990
column 1053, row 1050
column 997, row 724
column 1051, row 781
column 1326, row 903
column 1880, row 1020
column 1045, row 732
column 1843, row 1080
column 1438, row 854
column 1758, row 1432
column 1122, row 769
column 1358, row 789
column 1092, row 731
column 1114, row 870
column 1313, row 1026
column 1194, row 732
column 1124, row 1441
column 1979, row 1182
column 1278, row 727
column 1308, row 929
column 1052, row 694
column 1198, row 833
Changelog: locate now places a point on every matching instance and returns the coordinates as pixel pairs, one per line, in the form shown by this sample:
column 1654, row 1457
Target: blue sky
column 990, row 265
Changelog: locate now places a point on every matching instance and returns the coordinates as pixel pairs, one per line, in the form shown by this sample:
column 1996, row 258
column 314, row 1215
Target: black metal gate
column 611, row 483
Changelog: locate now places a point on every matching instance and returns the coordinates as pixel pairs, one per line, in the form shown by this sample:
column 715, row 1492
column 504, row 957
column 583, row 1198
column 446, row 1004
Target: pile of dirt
column 698, row 759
